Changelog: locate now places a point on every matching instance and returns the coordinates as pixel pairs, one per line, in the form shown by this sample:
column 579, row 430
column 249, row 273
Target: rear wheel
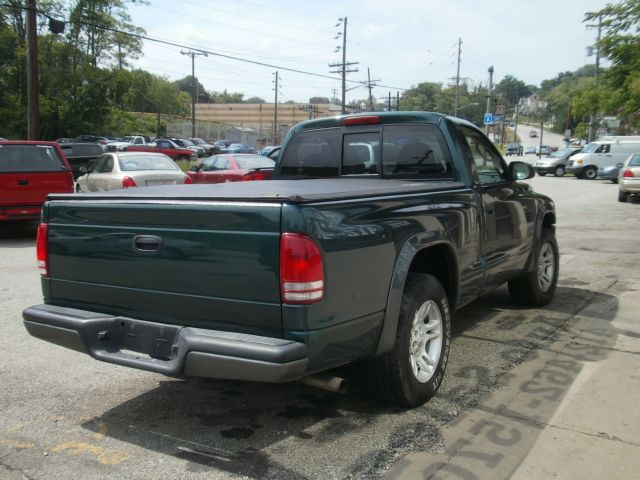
column 559, row 171
column 537, row 288
column 542, row 174
column 590, row 173
column 622, row 197
column 411, row 373
column 78, row 189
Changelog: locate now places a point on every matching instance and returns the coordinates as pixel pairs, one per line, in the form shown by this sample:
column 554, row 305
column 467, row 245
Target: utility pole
column 455, row 108
column 342, row 67
column 370, row 85
column 389, row 105
column 597, row 49
column 194, row 93
column 33, row 103
column 541, row 135
column 276, row 87
column 489, row 95
column 398, row 101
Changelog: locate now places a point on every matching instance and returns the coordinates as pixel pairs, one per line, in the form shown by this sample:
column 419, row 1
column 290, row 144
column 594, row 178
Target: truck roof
column 384, row 118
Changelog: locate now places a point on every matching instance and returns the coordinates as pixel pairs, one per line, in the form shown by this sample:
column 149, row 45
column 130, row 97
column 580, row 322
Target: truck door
column 508, row 217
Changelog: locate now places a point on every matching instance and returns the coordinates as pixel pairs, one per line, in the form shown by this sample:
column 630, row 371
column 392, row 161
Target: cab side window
column 604, row 148
column 486, row 165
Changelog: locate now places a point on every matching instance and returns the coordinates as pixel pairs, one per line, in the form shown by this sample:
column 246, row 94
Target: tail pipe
column 326, row 382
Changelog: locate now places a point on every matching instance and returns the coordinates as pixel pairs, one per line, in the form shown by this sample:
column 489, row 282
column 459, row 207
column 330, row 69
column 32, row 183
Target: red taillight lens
column 628, row 173
column 253, row 176
column 188, row 180
column 128, row 182
column 301, row 269
column 42, row 249
column 364, row 120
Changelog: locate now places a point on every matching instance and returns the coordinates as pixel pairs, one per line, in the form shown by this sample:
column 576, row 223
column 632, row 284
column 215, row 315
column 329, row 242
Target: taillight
column 301, row 269
column 363, row 120
column 188, row 180
column 248, row 177
column 628, row 173
column 42, row 249
column 128, row 182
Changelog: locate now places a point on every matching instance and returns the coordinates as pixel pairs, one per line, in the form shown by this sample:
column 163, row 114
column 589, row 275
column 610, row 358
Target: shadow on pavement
column 258, row 429
column 18, row 234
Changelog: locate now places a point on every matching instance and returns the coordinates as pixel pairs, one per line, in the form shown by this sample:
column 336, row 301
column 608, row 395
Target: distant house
column 245, row 135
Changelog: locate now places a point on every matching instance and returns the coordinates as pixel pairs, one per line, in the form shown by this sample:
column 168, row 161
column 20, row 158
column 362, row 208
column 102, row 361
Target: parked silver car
column 629, row 178
column 556, row 162
column 115, row 170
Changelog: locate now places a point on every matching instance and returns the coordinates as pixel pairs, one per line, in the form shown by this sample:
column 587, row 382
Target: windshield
column 127, row 139
column 590, row 148
column 254, row 161
column 146, row 162
column 199, row 141
column 188, row 143
column 30, row 158
column 563, row 152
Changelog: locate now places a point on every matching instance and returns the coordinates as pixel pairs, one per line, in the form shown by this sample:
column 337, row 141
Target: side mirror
column 520, row 171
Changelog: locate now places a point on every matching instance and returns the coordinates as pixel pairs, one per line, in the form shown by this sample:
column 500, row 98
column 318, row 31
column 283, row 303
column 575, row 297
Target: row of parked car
column 30, row 170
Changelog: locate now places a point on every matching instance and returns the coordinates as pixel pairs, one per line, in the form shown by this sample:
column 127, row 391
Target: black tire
column 559, row 171
column 614, row 180
column 78, row 189
column 590, row 173
column 622, row 197
column 579, row 176
column 391, row 376
column 542, row 174
column 538, row 287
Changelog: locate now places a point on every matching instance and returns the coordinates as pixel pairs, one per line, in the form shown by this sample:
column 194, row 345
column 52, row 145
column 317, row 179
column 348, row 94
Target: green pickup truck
column 375, row 229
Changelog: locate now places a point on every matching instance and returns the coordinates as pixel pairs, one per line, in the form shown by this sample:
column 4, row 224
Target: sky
column 401, row 42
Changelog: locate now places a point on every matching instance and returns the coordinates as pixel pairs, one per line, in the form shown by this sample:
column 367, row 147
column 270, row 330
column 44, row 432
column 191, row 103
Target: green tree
column 620, row 43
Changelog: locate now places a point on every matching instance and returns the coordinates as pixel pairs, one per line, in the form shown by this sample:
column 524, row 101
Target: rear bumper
column 21, row 212
column 169, row 349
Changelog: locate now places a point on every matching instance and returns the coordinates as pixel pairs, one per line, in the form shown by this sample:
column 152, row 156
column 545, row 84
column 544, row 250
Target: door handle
column 23, row 181
column 147, row 243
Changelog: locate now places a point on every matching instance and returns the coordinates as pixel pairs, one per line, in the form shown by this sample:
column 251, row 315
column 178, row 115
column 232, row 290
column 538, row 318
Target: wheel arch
column 419, row 254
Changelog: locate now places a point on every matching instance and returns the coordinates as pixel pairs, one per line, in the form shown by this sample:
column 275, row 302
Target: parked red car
column 232, row 168
column 29, row 171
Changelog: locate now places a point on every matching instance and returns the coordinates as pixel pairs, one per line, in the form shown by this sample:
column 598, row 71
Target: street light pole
column 489, row 95
column 193, row 55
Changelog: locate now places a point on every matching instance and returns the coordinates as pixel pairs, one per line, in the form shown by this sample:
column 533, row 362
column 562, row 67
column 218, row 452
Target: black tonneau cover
column 276, row 191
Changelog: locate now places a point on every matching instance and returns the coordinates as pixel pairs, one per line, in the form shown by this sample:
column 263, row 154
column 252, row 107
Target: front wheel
column 537, row 288
column 559, row 171
column 411, row 373
column 590, row 173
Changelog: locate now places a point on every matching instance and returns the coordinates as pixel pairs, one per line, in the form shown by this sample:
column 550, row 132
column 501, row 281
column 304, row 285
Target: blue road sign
column 498, row 118
column 488, row 118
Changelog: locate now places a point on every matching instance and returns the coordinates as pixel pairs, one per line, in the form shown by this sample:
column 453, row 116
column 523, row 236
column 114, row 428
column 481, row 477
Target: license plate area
column 153, row 339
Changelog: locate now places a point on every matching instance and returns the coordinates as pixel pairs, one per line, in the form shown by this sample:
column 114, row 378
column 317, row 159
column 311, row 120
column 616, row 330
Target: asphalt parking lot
column 65, row 415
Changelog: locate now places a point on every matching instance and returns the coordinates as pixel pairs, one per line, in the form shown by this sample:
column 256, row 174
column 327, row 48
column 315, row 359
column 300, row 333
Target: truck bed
column 276, row 191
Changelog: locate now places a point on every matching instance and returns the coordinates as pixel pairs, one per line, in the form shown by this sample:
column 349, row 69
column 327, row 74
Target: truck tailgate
column 200, row 264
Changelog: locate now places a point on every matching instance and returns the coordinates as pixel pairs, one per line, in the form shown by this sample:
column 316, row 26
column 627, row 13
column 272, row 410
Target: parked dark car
column 514, row 149
column 354, row 253
column 230, row 167
column 208, row 147
column 220, row 146
column 240, row 148
column 80, row 154
column 29, row 171
column 92, row 139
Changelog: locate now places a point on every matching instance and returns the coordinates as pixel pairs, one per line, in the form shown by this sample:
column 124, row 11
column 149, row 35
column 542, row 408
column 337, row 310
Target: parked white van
column 601, row 153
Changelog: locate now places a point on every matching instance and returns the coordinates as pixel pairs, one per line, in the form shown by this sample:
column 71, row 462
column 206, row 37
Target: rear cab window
column 389, row 151
column 30, row 158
